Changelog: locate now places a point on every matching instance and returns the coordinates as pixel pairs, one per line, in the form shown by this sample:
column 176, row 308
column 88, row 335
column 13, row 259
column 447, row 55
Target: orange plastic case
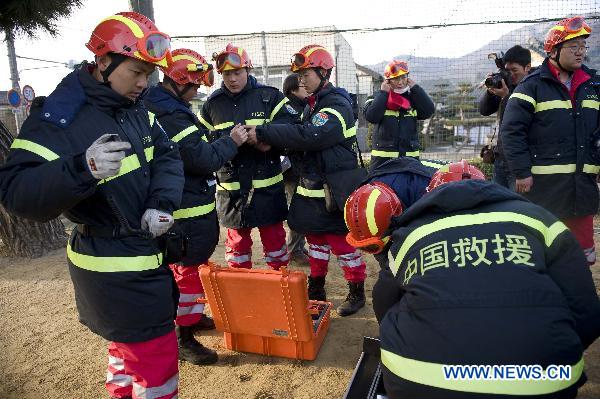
column 266, row 311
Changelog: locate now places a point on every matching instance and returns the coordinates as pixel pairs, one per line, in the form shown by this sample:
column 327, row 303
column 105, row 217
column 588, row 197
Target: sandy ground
column 46, row 353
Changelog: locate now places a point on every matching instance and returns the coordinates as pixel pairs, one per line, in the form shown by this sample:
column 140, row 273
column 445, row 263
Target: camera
column 495, row 80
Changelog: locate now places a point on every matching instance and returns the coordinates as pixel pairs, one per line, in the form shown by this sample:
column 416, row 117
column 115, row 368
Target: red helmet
column 395, row 68
column 312, row 56
column 368, row 213
column 566, row 29
column 132, row 35
column 455, row 171
column 189, row 67
column 232, row 58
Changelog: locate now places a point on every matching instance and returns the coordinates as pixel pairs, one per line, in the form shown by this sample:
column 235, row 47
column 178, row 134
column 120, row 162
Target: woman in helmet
column 546, row 130
column 196, row 219
column 327, row 139
column 394, row 111
column 92, row 152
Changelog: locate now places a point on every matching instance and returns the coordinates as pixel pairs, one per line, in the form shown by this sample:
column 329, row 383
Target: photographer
column 514, row 66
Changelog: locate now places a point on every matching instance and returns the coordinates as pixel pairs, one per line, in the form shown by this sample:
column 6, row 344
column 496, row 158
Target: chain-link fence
column 448, row 58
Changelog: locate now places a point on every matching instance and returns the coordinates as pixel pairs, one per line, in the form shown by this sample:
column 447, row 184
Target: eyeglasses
column 577, row 49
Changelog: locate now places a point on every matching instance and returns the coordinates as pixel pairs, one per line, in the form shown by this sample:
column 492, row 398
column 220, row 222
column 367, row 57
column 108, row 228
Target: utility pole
column 14, row 76
column 265, row 66
column 146, row 7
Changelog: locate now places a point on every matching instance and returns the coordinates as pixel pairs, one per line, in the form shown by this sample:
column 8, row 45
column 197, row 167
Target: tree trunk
column 22, row 237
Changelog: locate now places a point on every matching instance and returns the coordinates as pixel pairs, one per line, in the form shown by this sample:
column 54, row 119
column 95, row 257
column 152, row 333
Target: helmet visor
column 154, row 46
column 398, row 68
column 575, row 24
column 299, row 61
column 232, row 59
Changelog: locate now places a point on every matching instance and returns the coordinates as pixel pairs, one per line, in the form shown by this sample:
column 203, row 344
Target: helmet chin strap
column 556, row 59
column 115, row 60
column 180, row 93
column 322, row 78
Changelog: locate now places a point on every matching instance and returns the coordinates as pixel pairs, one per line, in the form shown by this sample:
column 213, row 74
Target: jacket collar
column 161, row 99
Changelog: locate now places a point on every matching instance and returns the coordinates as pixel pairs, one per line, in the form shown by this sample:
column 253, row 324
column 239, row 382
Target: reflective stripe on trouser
column 143, row 370
column 583, row 229
column 189, row 311
column 319, row 246
column 238, row 247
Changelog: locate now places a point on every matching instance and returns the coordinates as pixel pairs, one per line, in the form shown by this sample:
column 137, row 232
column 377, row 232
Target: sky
column 178, row 17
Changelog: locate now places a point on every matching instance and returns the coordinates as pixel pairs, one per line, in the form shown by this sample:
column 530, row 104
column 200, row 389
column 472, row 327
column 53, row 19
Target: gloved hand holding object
column 157, row 222
column 104, row 156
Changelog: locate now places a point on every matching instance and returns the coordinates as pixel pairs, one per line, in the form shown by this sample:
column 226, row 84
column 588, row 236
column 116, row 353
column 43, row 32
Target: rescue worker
column 91, row 152
column 250, row 190
column 196, row 220
column 297, row 95
column 328, row 139
column 481, row 276
column 546, row 131
column 394, row 110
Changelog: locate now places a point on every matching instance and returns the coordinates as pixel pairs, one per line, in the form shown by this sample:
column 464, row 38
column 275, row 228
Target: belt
column 109, row 232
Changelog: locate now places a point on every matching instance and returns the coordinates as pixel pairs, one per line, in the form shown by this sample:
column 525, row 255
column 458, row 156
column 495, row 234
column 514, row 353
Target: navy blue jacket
column 324, row 143
column 122, row 290
column 250, row 190
column 483, row 276
column 197, row 217
column 546, row 136
column 395, row 132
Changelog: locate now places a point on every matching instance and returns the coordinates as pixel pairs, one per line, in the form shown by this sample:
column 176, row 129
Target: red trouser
column 189, row 311
column 143, row 370
column 583, row 229
column 239, row 246
column 349, row 258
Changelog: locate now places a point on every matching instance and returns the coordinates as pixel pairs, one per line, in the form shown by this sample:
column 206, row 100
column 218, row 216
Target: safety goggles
column 154, row 46
column 204, row 73
column 299, row 61
column 398, row 68
column 232, row 59
column 575, row 24
column 372, row 245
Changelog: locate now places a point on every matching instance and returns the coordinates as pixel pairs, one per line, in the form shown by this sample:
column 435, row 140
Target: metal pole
column 337, row 50
column 146, row 7
column 14, row 75
column 265, row 67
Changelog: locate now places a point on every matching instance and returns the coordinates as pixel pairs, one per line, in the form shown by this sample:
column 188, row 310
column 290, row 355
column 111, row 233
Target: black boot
column 354, row 301
column 205, row 323
column 191, row 350
column 316, row 288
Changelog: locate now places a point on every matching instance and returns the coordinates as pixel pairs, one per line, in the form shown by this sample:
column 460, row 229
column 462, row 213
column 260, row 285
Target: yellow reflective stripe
column 435, row 165
column 39, row 150
column 389, row 112
column 369, row 100
column 307, row 192
column 134, row 27
column 411, row 112
column 594, row 104
column 549, row 233
column 184, row 133
column 432, row 374
column 347, row 133
column 312, row 50
column 114, row 263
column 255, row 122
column 204, row 122
column 385, row 154
column 552, row 169
column 130, row 163
column 267, row 182
column 151, row 118
column 194, row 211
column 587, row 168
column 524, row 97
column 278, row 107
column 370, row 212
column 554, row 104
column 231, row 186
column 204, row 138
column 223, row 125
column 413, row 153
column 235, row 185
column 187, row 57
